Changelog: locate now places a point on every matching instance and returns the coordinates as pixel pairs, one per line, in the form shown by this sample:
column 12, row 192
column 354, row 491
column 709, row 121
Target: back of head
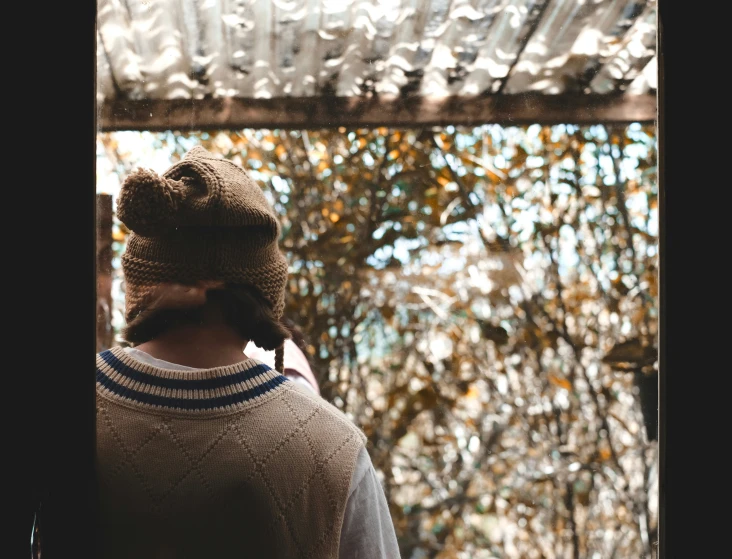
column 240, row 307
column 204, row 219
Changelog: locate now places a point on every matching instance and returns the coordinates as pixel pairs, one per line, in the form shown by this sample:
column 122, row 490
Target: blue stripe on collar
column 185, row 403
column 186, row 384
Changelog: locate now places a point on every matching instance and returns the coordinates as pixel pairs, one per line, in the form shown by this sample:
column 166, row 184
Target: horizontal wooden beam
column 331, row 112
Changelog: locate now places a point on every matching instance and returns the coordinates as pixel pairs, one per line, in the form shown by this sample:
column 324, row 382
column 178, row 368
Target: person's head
column 204, row 220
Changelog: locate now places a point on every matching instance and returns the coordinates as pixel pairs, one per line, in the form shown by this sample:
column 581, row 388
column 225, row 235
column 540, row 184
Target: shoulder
column 321, row 412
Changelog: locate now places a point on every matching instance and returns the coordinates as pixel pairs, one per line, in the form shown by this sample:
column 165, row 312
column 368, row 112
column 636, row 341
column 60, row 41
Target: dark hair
column 297, row 336
column 242, row 306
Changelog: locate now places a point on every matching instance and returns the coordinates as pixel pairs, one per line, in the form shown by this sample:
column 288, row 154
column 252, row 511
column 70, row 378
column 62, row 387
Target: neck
column 203, row 346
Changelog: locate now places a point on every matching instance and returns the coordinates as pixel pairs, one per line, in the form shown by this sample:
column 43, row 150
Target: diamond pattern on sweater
column 129, row 454
column 290, row 458
column 156, row 456
column 278, row 434
column 123, row 461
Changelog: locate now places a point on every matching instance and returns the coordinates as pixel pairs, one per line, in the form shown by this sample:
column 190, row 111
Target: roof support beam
column 331, row 112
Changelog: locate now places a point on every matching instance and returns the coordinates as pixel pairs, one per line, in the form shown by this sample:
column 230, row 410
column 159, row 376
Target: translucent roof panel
column 173, row 49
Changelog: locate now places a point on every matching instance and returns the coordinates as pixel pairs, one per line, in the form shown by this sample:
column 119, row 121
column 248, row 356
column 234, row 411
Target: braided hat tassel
column 280, row 359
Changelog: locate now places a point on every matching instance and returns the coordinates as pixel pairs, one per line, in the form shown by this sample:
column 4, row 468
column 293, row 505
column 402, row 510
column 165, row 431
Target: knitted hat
column 203, row 219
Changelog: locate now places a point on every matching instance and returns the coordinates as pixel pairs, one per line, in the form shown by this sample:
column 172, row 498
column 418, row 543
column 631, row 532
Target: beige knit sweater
column 228, row 462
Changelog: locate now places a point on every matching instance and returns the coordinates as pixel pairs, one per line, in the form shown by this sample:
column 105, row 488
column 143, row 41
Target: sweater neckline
column 123, row 378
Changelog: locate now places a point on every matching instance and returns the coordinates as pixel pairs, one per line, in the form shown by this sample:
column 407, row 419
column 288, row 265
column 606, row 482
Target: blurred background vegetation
column 483, row 302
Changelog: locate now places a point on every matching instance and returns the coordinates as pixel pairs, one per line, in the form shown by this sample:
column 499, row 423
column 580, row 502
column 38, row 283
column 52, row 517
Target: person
column 203, row 451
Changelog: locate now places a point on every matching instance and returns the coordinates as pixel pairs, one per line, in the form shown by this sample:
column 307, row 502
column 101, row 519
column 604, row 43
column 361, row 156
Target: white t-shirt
column 367, row 531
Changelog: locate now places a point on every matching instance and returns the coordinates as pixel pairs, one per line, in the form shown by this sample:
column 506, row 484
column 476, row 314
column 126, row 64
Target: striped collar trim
column 234, row 387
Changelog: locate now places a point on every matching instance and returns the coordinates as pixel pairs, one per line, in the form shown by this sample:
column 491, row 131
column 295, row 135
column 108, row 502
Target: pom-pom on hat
column 203, row 219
